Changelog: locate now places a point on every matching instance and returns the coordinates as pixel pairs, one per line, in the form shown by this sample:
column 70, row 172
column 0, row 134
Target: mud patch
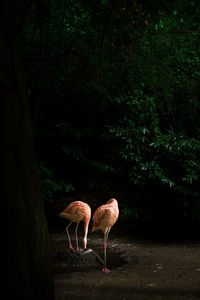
column 115, row 257
column 75, row 261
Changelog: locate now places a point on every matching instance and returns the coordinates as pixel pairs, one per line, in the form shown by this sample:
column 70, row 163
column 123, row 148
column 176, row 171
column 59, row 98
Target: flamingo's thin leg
column 76, row 235
column 70, row 244
column 105, row 270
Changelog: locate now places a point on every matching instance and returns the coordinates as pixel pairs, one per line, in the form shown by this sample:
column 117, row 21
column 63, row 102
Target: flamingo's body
column 76, row 212
column 103, row 219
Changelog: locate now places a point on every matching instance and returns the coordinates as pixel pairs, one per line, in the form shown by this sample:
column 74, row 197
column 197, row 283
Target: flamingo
column 76, row 212
column 103, row 219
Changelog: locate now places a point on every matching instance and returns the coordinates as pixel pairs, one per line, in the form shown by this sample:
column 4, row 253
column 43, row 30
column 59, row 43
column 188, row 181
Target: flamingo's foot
column 106, row 271
column 79, row 249
column 70, row 246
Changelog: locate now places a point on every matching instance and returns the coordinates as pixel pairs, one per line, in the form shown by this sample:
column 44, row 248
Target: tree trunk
column 27, row 251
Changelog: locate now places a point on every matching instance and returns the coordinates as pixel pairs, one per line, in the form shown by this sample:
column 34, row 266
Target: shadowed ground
column 69, row 260
column 139, row 269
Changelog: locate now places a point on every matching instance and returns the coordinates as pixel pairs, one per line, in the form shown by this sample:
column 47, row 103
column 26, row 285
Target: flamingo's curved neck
column 86, row 223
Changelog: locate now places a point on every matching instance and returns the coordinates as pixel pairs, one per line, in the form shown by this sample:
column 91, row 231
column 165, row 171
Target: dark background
column 114, row 92
column 113, row 89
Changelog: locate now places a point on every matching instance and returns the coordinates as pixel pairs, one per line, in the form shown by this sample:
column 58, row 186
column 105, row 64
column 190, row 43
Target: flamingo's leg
column 76, row 235
column 70, row 244
column 107, row 232
column 105, row 270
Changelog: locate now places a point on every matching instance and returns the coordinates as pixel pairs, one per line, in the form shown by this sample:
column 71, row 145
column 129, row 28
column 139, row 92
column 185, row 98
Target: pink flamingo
column 76, row 212
column 103, row 219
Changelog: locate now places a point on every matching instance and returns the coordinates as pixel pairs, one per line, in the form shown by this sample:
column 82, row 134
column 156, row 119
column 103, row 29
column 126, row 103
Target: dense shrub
column 114, row 89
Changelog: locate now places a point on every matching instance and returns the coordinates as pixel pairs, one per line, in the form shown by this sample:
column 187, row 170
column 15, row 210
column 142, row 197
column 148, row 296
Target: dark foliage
column 114, row 88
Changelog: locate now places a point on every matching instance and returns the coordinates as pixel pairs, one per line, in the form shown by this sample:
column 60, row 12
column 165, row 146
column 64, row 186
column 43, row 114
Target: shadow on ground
column 140, row 269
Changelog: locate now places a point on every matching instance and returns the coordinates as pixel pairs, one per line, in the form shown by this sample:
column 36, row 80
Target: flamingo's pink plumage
column 103, row 219
column 76, row 212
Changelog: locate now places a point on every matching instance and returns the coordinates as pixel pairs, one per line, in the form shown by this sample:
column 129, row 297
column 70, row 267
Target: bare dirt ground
column 140, row 269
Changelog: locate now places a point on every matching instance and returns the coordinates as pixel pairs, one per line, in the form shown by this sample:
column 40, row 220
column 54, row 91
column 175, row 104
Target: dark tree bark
column 26, row 244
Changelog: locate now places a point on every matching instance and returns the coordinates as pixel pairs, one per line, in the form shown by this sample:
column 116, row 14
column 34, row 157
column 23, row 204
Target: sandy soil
column 140, row 269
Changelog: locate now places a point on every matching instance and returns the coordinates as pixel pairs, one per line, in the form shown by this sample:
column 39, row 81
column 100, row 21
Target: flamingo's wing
column 99, row 215
column 74, row 209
